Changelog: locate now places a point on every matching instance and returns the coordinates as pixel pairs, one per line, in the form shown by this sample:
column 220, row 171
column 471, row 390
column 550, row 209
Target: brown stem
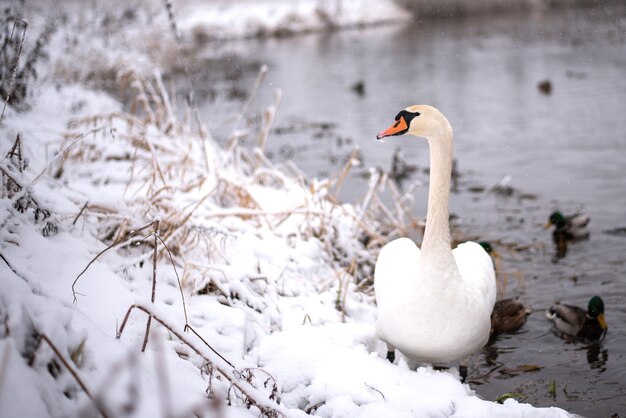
column 17, row 59
column 16, row 149
column 225, row 368
column 188, row 327
column 117, row 242
column 180, row 287
column 74, row 374
column 145, row 335
column 12, row 269
column 80, row 213
column 154, row 276
column 6, row 173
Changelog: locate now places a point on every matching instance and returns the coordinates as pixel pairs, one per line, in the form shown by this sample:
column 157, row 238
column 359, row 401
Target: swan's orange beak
column 397, row 128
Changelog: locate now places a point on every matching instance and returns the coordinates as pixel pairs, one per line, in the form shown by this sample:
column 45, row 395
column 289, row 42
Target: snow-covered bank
column 244, row 19
column 223, row 20
column 275, row 274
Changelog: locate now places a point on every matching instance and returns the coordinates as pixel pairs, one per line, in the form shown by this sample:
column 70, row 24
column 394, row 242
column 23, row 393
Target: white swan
column 434, row 305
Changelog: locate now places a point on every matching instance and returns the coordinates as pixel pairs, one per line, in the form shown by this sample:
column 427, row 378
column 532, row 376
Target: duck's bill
column 547, row 225
column 602, row 321
column 398, row 128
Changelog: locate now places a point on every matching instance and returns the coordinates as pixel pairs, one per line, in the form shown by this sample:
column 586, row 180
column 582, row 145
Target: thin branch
column 253, row 395
column 182, row 296
column 4, row 363
column 338, row 182
column 17, row 59
column 154, row 276
column 64, row 151
column 268, row 119
column 248, row 213
column 12, row 268
column 193, row 209
column 6, row 173
column 117, row 242
column 74, row 374
column 202, row 130
column 373, row 388
column 255, row 87
column 80, row 213
column 188, row 327
column 16, row 149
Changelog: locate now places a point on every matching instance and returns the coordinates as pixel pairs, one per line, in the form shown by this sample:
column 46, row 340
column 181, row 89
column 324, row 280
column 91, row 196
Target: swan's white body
column 434, row 304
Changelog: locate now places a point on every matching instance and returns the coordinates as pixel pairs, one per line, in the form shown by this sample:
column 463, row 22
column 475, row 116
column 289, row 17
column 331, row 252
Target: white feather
column 434, row 318
column 434, row 304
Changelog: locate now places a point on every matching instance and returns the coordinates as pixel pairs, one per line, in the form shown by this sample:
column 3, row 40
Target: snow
column 248, row 18
column 263, row 258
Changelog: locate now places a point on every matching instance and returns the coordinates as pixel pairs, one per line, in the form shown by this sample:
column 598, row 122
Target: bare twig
column 249, row 213
column 5, row 172
column 115, row 243
column 180, row 286
column 202, row 130
column 80, row 213
column 338, row 182
column 255, row 87
column 65, row 150
column 190, row 328
column 373, row 388
column 268, row 119
column 16, row 149
column 17, row 59
column 154, row 277
column 4, row 363
column 74, row 374
column 12, row 268
column 253, row 395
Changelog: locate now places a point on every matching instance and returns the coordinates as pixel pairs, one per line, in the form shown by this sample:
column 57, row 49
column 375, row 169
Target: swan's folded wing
column 476, row 266
column 396, row 265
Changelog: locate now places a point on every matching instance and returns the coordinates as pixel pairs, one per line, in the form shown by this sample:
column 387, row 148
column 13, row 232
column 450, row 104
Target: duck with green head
column 575, row 322
column 568, row 226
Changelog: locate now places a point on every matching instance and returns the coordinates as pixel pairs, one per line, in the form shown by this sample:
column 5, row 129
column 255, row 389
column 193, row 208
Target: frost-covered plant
column 16, row 73
column 208, row 198
column 17, row 188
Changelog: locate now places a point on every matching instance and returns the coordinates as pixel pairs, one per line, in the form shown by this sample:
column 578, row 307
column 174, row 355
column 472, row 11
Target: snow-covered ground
column 233, row 19
column 262, row 282
column 248, row 18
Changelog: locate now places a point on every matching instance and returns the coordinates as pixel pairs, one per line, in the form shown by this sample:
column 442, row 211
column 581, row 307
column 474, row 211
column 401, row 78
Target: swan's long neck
column 436, row 242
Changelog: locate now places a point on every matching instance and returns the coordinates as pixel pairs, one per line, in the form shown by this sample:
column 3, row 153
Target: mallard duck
column 434, row 304
column 486, row 246
column 508, row 315
column 576, row 322
column 570, row 227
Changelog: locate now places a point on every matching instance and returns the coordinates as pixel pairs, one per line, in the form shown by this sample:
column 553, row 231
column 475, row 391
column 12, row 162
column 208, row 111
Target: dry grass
column 168, row 179
column 17, row 74
column 183, row 200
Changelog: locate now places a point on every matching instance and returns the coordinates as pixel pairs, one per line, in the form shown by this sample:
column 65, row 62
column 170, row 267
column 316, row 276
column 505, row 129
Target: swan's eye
column 407, row 116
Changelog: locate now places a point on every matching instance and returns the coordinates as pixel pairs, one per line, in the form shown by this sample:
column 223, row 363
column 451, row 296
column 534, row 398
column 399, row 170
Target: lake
column 562, row 145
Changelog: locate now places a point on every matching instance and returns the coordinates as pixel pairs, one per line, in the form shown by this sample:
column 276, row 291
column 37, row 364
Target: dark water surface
column 566, row 150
